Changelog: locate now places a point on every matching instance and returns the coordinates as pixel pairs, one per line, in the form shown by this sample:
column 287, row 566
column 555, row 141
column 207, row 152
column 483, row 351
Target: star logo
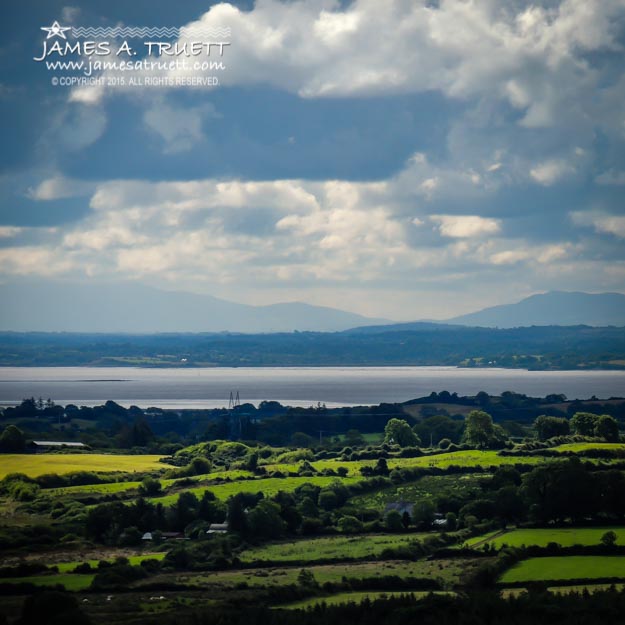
column 56, row 30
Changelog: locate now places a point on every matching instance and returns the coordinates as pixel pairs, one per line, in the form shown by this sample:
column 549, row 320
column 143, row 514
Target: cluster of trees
column 560, row 491
column 583, row 423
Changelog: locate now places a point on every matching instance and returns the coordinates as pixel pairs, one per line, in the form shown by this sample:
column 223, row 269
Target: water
column 296, row 386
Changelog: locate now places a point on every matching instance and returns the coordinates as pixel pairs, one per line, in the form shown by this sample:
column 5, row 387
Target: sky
column 405, row 159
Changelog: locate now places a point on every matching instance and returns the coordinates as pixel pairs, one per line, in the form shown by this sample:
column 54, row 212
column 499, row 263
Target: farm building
column 217, row 528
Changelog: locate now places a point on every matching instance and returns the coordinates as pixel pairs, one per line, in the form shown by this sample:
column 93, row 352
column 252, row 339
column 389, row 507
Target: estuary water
column 295, row 386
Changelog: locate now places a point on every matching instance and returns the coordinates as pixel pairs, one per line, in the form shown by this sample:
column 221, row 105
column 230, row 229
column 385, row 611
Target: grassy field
column 69, row 581
column 429, row 487
column 269, row 486
column 39, row 464
column 66, row 567
column 565, row 567
column 327, row 547
column 118, row 487
column 464, row 458
column 448, row 572
column 542, row 537
column 353, row 597
column 577, row 447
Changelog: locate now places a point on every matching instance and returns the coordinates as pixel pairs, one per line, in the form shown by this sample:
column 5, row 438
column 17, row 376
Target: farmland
column 563, row 568
column 351, row 597
column 448, row 571
column 242, row 522
column 330, row 548
column 565, row 537
column 40, row 464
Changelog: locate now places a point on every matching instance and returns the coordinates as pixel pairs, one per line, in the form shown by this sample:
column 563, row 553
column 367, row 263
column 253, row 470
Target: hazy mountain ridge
column 564, row 308
column 136, row 308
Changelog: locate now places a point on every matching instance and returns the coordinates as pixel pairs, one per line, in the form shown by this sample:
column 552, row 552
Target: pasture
column 269, row 486
column 448, row 572
column 355, row 597
column 566, row 537
column 564, row 568
column 329, row 547
column 34, row 465
column 71, row 582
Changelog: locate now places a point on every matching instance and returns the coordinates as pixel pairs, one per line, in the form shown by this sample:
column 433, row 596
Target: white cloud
column 540, row 254
column 601, row 222
column 530, row 57
column 461, row 226
column 59, row 187
column 549, row 172
column 7, row 232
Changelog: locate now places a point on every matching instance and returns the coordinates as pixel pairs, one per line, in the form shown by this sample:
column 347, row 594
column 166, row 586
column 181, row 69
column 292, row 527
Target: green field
column 329, row 547
column 354, row 597
column 577, row 447
column 566, row 537
column 449, row 572
column 118, row 487
column 69, row 581
column 430, row 487
column 464, row 458
column 268, row 485
column 565, row 567
column 39, row 464
column 66, row 567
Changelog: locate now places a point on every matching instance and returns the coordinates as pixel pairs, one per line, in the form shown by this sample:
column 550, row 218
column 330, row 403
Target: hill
column 554, row 308
column 136, row 308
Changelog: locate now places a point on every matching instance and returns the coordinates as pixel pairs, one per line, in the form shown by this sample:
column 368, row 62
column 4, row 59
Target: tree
column 423, row 514
column 606, row 427
column 584, row 423
column 349, row 525
column 12, row 440
column 398, row 431
column 609, row 539
column 479, row 429
column 307, row 579
column 265, row 521
column 393, row 521
column 301, row 439
column 354, row 438
column 150, row 486
column 547, row 427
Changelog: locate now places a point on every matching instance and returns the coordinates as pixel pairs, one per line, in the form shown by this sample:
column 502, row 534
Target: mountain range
column 137, row 308
column 554, row 308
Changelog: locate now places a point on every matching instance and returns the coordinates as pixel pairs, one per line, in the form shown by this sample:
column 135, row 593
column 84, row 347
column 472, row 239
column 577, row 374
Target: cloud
column 461, row 226
column 549, row 172
column 540, row 254
column 7, row 232
column 59, row 187
column 180, row 128
column 611, row 177
column 601, row 222
column 532, row 58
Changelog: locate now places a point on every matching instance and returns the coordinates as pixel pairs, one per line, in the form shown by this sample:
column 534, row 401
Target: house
column 147, row 536
column 217, row 528
column 42, row 446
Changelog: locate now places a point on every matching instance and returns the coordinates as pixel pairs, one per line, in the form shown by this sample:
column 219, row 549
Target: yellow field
column 38, row 464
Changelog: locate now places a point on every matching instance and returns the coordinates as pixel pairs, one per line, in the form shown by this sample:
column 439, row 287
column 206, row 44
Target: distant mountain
column 554, row 308
column 136, row 308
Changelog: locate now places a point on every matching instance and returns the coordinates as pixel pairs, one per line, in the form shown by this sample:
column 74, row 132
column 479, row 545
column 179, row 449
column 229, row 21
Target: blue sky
column 407, row 159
